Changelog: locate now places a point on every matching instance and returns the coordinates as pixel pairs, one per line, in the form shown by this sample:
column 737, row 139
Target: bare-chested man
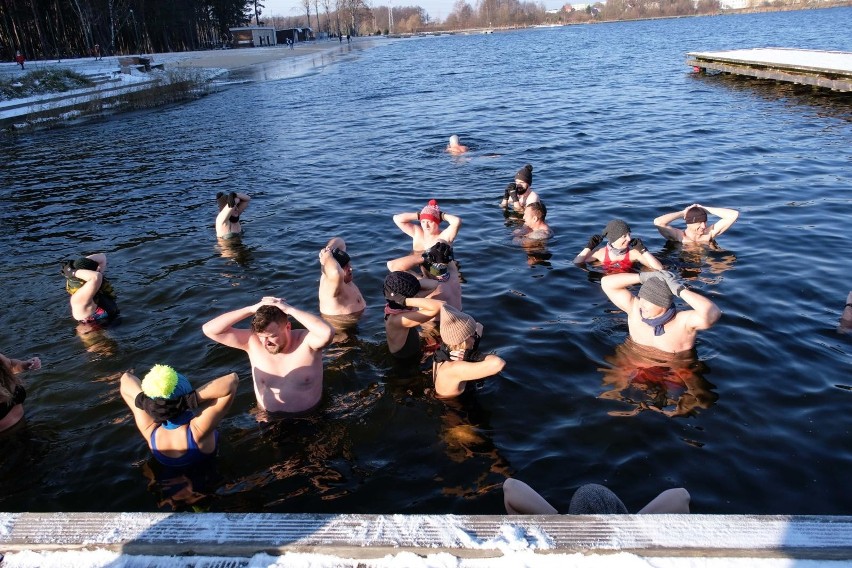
column 338, row 294
column 652, row 318
column 424, row 228
column 286, row 363
column 697, row 230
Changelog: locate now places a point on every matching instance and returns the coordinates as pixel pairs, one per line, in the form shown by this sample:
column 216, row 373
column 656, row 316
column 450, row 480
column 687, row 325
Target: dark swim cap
column 615, row 229
column 525, row 174
column 340, row 256
column 695, row 215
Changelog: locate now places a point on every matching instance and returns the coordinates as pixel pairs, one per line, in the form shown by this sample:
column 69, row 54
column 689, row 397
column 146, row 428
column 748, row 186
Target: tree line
column 48, row 29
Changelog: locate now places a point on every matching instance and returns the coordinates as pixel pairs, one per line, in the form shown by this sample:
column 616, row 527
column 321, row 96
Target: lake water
column 615, row 125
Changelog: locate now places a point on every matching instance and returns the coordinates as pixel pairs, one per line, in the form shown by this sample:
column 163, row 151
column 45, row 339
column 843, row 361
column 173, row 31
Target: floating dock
column 231, row 539
column 827, row 69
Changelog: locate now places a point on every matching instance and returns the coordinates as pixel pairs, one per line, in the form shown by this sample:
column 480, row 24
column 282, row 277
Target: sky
column 437, row 9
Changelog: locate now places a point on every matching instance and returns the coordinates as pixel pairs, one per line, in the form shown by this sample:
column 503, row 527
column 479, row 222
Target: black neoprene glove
column 511, row 192
column 160, row 409
column 188, row 401
column 637, row 244
column 232, row 199
column 594, row 241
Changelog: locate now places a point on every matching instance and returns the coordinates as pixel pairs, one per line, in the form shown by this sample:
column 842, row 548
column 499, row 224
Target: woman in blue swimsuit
column 177, row 422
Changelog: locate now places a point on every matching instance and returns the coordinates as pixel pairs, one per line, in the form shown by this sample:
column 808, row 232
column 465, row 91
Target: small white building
column 252, row 37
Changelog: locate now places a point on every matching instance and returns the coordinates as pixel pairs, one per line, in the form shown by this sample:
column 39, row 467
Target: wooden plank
column 374, row 536
column 828, row 69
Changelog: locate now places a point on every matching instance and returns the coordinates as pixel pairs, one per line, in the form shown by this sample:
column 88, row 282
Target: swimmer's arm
column 220, row 392
column 320, row 333
column 704, row 312
column 244, row 201
column 615, row 288
column 19, row 366
column 405, row 263
column 223, row 218
column 727, row 217
column 330, row 267
column 101, row 259
column 221, row 328
column 649, row 260
column 129, row 389
column 427, row 309
column 449, row 234
column 585, row 256
column 662, row 223
column 405, row 223
column 472, row 371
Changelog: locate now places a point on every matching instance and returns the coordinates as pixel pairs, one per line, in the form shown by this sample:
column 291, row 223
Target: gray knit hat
column 594, row 499
column 615, row 229
column 656, row 291
column 456, row 326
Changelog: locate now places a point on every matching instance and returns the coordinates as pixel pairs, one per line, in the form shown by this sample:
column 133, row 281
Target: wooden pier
column 827, row 69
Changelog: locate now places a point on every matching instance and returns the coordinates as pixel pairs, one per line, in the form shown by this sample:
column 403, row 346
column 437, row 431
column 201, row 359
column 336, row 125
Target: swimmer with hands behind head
column 696, row 230
column 652, row 318
column 458, row 360
column 286, row 363
column 424, row 228
column 92, row 296
column 177, row 421
column 231, row 206
column 338, row 294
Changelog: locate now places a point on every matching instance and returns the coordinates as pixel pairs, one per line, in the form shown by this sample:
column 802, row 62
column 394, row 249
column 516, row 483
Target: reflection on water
column 465, row 434
column 234, row 249
column 647, row 379
column 701, row 263
column 183, row 489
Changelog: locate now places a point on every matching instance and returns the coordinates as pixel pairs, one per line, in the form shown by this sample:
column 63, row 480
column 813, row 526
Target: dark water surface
column 615, row 125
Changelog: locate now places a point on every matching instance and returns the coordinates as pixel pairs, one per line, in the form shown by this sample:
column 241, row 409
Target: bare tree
column 257, row 11
column 306, row 4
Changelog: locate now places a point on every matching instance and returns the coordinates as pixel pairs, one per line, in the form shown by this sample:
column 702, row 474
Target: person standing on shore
column 19, row 59
column 697, row 230
column 286, row 363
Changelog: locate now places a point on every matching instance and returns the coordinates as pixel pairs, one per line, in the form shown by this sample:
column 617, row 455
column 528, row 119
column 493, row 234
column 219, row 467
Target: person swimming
column 621, row 251
column 231, row 206
column 454, row 147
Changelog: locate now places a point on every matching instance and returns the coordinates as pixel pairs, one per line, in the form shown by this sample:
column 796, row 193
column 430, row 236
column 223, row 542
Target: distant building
column 252, row 37
column 296, row 34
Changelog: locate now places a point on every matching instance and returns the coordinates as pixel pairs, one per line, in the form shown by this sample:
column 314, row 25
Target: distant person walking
column 348, row 39
column 97, row 52
column 19, row 59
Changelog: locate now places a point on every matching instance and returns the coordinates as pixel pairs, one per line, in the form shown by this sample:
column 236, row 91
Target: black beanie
column 400, row 285
column 525, row 174
column 340, row 256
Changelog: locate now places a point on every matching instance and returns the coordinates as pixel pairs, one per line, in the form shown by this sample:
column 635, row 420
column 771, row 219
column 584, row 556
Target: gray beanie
column 656, row 291
column 594, row 499
column 615, row 229
column 456, row 326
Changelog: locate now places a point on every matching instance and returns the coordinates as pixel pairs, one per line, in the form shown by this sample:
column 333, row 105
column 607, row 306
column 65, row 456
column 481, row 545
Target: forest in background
column 57, row 29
